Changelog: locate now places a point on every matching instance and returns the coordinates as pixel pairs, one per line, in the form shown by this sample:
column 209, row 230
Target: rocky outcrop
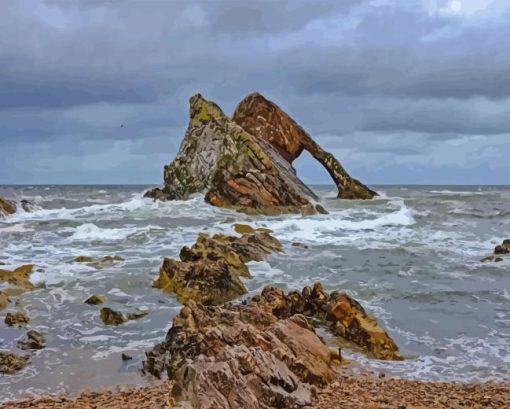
column 7, row 207
column 261, row 353
column 234, row 168
column 4, row 300
column 210, row 271
column 268, row 122
column 19, row 277
column 11, row 363
column 503, row 248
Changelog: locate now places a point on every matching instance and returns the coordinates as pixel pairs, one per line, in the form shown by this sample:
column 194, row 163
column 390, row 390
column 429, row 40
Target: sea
column 411, row 257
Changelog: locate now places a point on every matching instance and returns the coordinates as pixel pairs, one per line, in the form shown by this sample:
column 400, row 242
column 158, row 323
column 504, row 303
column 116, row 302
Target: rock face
column 233, row 167
column 7, row 207
column 11, row 363
column 209, row 272
column 19, row 277
column 262, row 353
column 268, row 122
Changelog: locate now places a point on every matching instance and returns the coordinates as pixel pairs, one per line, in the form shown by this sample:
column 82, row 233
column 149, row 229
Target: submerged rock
column 492, row 258
column 83, row 259
column 11, row 363
column 96, row 299
column 267, row 121
column 233, row 167
column 106, row 261
column 19, row 277
column 19, row 319
column 209, row 272
column 35, row 340
column 261, row 353
column 112, row 317
column 7, row 207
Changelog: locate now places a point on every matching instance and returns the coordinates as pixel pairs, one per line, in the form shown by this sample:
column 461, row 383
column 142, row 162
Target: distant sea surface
column 411, row 257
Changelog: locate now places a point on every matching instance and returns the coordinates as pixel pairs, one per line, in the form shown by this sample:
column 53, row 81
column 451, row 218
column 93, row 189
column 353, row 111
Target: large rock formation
column 262, row 353
column 210, row 271
column 251, row 173
column 268, row 122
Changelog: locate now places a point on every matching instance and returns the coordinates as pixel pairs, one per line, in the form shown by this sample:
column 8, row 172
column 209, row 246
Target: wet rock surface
column 34, row 340
column 503, row 248
column 4, row 300
column 234, row 168
column 210, row 271
column 114, row 318
column 11, row 363
column 7, row 207
column 19, row 277
column 267, row 121
column 106, row 261
column 19, row 319
column 96, row 300
column 262, row 352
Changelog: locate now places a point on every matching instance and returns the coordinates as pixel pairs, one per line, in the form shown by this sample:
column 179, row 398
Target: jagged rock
column 261, row 353
column 19, row 319
column 241, row 356
column 268, row 122
column 96, row 299
column 35, row 340
column 233, row 167
column 4, row 300
column 11, row 363
column 19, row 277
column 112, row 317
column 503, row 248
column 7, row 207
column 209, row 272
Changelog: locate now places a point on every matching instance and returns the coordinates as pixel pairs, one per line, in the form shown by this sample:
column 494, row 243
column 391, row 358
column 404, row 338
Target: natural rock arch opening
column 310, row 171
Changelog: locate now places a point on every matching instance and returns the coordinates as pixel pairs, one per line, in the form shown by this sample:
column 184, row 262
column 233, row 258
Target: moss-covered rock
column 11, row 363
column 35, row 340
column 233, row 167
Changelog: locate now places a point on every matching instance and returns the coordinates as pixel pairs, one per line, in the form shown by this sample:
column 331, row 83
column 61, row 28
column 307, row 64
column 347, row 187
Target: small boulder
column 126, row 357
column 18, row 319
column 27, row 206
column 111, row 317
column 19, row 277
column 96, row 299
column 7, row 207
column 83, row 259
column 503, row 248
column 11, row 363
column 35, row 340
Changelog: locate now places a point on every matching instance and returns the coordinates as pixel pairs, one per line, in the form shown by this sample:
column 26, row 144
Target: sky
column 400, row 91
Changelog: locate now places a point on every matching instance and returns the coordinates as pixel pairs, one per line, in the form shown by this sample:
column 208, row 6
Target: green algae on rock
column 234, row 168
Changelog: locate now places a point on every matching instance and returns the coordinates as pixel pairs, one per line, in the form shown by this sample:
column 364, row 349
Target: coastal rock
column 96, row 300
column 7, row 207
column 19, row 319
column 234, row 168
column 492, row 258
column 503, row 248
column 261, row 353
column 209, row 271
column 267, row 121
column 19, row 277
column 11, row 363
column 114, row 318
column 35, row 340
column 27, row 206
column 83, row 259
column 106, row 261
column 4, row 300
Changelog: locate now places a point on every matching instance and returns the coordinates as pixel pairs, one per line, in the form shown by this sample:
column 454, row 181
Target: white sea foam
column 90, row 232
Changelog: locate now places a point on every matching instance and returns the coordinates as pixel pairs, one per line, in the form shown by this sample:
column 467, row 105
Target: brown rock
column 83, row 259
column 7, row 207
column 268, row 122
column 11, row 363
column 96, row 299
column 19, row 319
column 112, row 317
column 503, row 248
column 492, row 258
column 4, row 300
column 209, row 272
column 19, row 277
column 35, row 340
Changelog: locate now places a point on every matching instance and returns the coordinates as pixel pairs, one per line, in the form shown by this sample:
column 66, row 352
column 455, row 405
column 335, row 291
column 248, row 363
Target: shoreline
column 349, row 389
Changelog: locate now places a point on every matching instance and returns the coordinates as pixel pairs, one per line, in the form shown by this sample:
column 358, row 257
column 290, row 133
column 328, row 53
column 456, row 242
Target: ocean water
column 411, row 257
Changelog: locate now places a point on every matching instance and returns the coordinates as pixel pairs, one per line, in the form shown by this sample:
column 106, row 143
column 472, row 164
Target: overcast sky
column 401, row 91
